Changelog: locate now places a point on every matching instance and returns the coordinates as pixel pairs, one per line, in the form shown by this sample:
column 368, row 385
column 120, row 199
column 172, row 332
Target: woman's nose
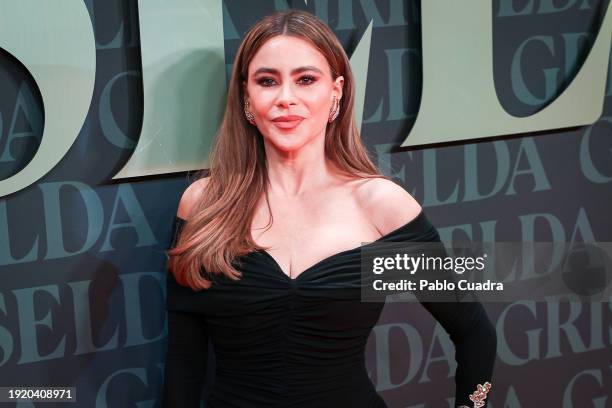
column 286, row 95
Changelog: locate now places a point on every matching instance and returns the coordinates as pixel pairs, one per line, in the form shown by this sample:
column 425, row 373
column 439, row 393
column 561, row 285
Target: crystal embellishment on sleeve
column 480, row 394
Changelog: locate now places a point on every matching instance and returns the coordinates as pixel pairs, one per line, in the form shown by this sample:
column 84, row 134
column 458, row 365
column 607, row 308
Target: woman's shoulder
column 190, row 197
column 387, row 204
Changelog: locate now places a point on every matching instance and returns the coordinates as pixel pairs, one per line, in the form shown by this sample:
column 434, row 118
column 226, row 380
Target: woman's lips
column 287, row 124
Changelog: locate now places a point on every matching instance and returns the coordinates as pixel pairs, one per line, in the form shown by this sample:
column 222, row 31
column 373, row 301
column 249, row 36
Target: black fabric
column 283, row 342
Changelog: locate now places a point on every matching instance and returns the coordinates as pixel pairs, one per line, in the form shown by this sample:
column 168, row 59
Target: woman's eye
column 265, row 81
column 305, row 80
column 309, row 79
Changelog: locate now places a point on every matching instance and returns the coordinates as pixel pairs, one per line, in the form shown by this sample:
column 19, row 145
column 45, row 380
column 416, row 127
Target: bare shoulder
column 387, row 204
column 190, row 197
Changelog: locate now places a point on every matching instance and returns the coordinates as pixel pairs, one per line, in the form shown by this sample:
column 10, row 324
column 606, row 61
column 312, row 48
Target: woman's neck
column 299, row 172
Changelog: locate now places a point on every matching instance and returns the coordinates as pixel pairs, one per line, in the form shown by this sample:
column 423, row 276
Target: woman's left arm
column 466, row 322
column 475, row 342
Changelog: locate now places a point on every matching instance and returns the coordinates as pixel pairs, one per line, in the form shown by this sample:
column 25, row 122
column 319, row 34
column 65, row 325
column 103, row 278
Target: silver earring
column 248, row 113
column 335, row 110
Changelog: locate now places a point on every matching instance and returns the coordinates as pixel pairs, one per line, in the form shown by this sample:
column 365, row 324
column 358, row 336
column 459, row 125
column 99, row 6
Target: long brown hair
column 219, row 227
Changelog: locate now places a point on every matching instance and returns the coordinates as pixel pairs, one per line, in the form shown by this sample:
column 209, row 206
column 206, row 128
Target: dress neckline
column 320, row 262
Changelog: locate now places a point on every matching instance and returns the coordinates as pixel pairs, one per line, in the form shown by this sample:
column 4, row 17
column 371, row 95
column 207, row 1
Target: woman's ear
column 338, row 86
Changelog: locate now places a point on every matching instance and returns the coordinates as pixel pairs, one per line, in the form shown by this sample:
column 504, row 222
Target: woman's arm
column 390, row 206
column 187, row 352
column 465, row 320
column 186, row 358
column 475, row 343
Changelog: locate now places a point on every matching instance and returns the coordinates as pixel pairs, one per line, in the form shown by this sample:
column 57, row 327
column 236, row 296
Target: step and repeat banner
column 496, row 116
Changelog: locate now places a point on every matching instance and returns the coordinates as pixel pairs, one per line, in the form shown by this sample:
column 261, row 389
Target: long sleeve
column 472, row 334
column 185, row 367
column 475, row 343
column 187, row 353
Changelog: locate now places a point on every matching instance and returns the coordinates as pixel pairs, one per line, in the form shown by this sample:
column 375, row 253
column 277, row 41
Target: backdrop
column 82, row 264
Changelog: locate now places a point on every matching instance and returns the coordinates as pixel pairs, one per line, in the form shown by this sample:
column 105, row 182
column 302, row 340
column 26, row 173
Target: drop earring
column 335, row 109
column 248, row 113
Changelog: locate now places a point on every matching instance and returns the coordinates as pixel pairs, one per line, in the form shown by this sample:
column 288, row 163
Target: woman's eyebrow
column 293, row 72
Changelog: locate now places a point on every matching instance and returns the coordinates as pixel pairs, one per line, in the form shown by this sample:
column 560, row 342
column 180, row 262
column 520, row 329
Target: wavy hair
column 219, row 227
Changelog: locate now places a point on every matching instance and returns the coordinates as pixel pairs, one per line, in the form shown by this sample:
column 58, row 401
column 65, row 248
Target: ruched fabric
column 284, row 342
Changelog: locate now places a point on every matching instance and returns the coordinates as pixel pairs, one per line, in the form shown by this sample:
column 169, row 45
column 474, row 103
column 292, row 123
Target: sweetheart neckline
column 330, row 257
column 318, row 263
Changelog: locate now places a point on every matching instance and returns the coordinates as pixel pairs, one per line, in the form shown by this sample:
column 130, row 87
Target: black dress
column 284, row 342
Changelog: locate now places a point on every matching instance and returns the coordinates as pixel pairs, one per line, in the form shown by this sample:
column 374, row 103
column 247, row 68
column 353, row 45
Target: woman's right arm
column 186, row 358
column 187, row 353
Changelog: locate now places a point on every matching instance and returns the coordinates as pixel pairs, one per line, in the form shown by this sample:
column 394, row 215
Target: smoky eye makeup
column 302, row 80
column 264, row 81
column 311, row 79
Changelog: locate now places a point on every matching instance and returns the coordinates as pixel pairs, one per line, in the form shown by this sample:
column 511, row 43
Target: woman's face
column 290, row 91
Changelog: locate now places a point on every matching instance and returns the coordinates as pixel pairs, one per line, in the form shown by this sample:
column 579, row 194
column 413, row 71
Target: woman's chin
column 285, row 140
column 287, row 144
column 287, row 147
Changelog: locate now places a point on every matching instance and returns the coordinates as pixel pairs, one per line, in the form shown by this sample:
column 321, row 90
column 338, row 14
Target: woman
column 267, row 248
